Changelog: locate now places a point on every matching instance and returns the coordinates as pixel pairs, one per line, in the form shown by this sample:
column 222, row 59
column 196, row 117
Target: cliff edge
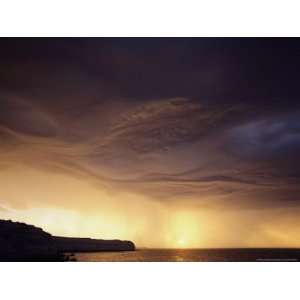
column 23, row 242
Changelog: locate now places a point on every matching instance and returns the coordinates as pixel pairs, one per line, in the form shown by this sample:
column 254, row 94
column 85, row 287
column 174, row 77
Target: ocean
column 192, row 255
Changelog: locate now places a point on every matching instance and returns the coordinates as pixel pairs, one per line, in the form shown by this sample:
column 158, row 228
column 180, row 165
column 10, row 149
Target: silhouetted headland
column 23, row 242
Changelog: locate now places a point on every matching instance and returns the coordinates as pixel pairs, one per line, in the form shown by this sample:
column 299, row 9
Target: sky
column 168, row 142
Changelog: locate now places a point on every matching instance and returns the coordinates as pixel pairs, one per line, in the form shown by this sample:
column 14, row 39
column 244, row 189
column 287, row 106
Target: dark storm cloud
column 270, row 138
column 159, row 125
column 222, row 69
column 214, row 118
column 22, row 116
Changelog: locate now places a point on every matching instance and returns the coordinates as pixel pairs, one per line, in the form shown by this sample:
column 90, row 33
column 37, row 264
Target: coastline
column 23, row 242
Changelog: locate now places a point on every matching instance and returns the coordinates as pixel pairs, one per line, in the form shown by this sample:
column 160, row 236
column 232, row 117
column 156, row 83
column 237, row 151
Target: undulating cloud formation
column 167, row 142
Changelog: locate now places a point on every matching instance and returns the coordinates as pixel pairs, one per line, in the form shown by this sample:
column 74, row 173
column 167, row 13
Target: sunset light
column 166, row 143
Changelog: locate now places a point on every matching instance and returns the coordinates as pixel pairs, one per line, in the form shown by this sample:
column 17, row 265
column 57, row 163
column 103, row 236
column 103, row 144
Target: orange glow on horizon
column 76, row 208
column 185, row 230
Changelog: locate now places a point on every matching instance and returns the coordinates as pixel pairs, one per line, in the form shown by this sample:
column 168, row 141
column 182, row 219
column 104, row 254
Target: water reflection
column 191, row 255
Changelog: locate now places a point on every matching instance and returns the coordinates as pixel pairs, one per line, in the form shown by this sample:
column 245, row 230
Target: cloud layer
column 188, row 123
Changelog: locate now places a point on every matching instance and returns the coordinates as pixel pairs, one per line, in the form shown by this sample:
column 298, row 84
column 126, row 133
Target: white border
column 149, row 18
column 145, row 281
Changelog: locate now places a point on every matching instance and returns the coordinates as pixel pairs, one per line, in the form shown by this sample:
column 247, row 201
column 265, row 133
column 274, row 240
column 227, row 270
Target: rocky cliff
column 22, row 242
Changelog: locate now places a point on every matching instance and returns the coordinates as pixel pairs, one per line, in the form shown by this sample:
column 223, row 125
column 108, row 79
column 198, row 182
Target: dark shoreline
column 23, row 242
